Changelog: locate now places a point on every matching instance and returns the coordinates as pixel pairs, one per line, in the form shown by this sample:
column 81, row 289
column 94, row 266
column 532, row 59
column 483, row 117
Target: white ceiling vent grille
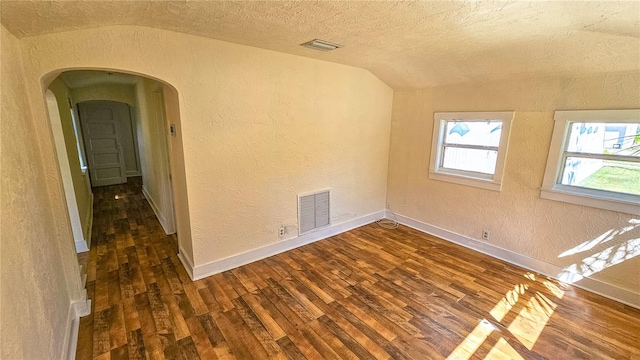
column 320, row 45
column 313, row 211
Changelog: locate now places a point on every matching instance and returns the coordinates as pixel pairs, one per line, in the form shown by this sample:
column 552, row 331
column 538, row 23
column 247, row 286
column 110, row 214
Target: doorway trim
column 82, row 243
column 157, row 107
column 178, row 183
column 80, row 304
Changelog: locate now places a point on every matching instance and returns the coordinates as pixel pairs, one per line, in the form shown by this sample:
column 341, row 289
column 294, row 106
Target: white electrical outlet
column 282, row 231
column 486, row 234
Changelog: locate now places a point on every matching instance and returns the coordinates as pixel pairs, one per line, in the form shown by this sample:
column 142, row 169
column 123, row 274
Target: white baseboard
column 77, row 309
column 84, row 244
column 161, row 218
column 81, row 246
column 595, row 286
column 186, row 262
column 218, row 266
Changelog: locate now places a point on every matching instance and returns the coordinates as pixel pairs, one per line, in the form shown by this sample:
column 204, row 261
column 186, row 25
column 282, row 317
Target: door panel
column 102, row 135
column 106, row 159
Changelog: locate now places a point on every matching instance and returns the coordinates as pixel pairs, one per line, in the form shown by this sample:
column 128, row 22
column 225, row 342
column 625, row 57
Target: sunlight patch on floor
column 502, row 350
column 526, row 327
column 473, row 341
column 530, row 276
column 532, row 319
column 555, row 289
column 503, row 306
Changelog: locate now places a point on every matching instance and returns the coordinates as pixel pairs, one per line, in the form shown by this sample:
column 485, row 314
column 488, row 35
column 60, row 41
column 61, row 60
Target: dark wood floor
column 369, row 293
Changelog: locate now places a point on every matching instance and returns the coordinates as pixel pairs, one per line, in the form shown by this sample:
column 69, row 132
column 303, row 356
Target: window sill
column 467, row 181
column 594, row 201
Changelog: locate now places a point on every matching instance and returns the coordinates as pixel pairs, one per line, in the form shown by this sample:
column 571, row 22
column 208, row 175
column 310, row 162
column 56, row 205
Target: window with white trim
column 470, row 148
column 78, row 133
column 594, row 160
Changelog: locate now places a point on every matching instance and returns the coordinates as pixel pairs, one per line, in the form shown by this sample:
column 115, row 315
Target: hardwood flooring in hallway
column 370, row 293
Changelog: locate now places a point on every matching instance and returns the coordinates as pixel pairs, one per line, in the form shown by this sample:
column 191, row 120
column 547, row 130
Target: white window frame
column 552, row 189
column 81, row 155
column 469, row 178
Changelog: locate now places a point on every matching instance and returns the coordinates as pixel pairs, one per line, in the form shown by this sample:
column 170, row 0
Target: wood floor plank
column 201, row 340
column 261, row 313
column 218, row 293
column 188, row 349
column 121, row 352
column 160, row 310
column 318, row 345
column 257, row 328
column 135, row 345
column 235, row 338
column 332, row 340
column 290, row 349
column 208, row 299
column 194, row 298
column 117, row 328
column 170, row 349
column 153, row 347
column 86, row 328
column 178, row 324
column 101, row 338
column 370, row 293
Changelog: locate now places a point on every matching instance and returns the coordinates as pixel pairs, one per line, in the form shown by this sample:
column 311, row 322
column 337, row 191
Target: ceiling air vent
column 320, row 45
column 313, row 211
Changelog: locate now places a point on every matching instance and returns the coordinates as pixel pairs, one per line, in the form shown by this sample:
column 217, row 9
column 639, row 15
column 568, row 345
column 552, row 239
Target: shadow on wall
column 627, row 240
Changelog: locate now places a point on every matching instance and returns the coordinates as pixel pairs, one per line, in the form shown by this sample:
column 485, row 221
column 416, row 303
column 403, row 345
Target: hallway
column 367, row 293
column 132, row 272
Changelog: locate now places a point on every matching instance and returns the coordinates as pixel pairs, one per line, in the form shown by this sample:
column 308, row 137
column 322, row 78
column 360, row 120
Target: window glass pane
column 480, row 133
column 618, row 176
column 605, row 138
column 76, row 131
column 477, row 160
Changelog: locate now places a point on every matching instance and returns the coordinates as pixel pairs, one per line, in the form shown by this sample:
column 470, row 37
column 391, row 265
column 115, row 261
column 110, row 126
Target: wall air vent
column 320, row 45
column 313, row 211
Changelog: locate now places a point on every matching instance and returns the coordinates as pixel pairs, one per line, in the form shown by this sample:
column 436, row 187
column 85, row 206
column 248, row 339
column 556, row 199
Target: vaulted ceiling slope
column 406, row 44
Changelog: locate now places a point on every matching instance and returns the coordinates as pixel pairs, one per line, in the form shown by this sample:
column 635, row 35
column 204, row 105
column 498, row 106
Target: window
column 78, row 133
column 594, row 160
column 470, row 148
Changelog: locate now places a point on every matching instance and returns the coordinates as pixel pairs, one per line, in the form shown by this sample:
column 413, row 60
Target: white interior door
column 101, row 129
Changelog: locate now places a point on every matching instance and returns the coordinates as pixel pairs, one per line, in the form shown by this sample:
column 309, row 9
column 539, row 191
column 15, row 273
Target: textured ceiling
column 80, row 78
column 405, row 44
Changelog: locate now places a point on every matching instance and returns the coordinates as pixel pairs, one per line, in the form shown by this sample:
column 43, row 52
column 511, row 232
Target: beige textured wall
column 154, row 153
column 37, row 272
column 518, row 218
column 81, row 184
column 112, row 92
column 258, row 127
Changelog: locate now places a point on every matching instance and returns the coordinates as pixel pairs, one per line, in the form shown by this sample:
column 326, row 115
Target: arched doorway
column 170, row 131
